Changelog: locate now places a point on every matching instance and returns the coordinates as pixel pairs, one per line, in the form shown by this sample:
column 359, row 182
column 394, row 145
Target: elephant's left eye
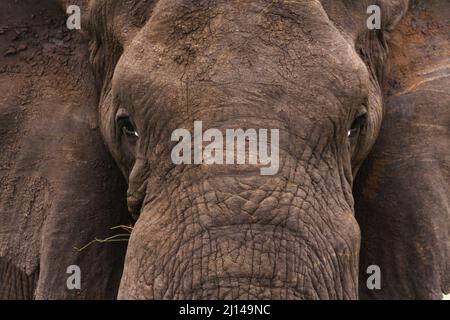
column 357, row 124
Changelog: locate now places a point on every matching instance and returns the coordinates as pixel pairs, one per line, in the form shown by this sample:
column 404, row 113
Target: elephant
column 87, row 126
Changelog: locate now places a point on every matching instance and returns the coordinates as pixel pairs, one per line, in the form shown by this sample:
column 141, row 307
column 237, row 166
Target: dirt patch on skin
column 34, row 43
column 55, row 172
column 422, row 30
column 31, row 64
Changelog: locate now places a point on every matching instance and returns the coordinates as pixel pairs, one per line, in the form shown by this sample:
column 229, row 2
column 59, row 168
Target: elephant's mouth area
column 248, row 287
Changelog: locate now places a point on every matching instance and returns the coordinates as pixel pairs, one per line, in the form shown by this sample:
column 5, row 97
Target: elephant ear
column 403, row 191
column 59, row 188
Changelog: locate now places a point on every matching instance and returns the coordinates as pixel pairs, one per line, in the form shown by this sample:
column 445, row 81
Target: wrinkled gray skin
column 227, row 232
column 308, row 68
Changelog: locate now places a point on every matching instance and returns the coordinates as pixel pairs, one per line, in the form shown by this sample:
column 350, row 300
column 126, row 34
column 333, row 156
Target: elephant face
column 309, row 72
column 225, row 231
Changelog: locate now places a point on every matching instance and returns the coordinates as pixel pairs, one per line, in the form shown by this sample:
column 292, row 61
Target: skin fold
column 311, row 69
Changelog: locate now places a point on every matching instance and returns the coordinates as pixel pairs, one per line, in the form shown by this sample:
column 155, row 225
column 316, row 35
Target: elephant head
column 313, row 70
column 307, row 68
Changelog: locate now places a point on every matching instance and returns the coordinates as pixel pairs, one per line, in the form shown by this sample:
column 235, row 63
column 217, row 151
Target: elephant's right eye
column 125, row 125
column 129, row 130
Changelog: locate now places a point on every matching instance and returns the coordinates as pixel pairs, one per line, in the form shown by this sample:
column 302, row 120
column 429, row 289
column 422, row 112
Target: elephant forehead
column 292, row 49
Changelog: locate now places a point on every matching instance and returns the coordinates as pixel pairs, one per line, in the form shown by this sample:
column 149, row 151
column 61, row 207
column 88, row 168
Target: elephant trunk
column 215, row 234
